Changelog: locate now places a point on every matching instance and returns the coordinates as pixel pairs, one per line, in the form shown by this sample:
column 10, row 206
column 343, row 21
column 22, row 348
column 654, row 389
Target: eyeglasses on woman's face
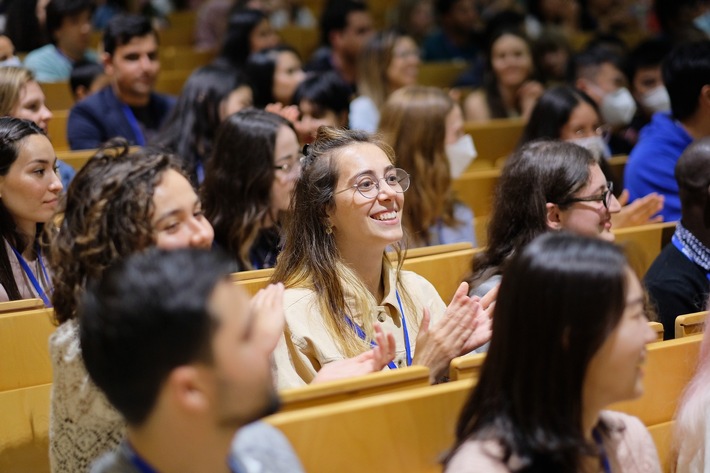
column 369, row 186
column 604, row 197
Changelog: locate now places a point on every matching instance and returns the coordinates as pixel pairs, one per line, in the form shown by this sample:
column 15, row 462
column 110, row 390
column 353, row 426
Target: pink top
column 629, row 447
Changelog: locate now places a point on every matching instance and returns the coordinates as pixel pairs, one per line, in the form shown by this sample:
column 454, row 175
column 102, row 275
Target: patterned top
column 83, row 425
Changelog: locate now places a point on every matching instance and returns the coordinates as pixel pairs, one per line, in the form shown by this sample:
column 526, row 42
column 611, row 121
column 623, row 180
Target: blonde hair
column 12, row 81
column 372, row 66
column 310, row 257
column 413, row 122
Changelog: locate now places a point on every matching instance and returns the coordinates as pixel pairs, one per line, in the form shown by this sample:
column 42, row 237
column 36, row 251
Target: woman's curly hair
column 107, row 215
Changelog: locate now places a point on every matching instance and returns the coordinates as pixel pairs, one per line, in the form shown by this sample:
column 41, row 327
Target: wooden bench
column 57, row 95
column 173, row 58
column 441, row 74
column 494, row 139
column 358, row 387
column 643, row 243
column 24, row 348
column 57, row 130
column 690, row 324
column 476, row 189
column 19, row 306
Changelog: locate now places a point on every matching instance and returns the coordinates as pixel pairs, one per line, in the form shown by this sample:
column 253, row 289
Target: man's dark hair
column 58, row 10
column 587, row 63
column 122, row 28
column 83, row 73
column 146, row 316
column 685, row 71
column 335, row 16
column 650, row 53
column 327, row 91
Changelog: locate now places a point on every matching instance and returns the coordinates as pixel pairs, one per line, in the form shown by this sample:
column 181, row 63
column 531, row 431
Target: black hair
column 328, row 91
column 122, row 28
column 559, row 299
column 236, row 46
column 147, row 315
column 83, row 73
column 22, row 26
column 692, row 173
column 649, row 53
column 686, row 71
column 58, row 10
column 335, row 16
column 12, row 132
column 260, row 69
column 587, row 63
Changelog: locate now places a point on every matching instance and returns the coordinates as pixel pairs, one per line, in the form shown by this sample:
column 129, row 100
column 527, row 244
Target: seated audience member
column 677, row 281
column 322, row 99
column 599, row 73
column 568, row 114
column 211, row 21
column 210, row 95
column 570, row 308
column 86, row 79
column 345, row 27
column 456, row 37
column 510, row 89
column 213, row 375
column 691, row 436
column 128, row 108
column 248, row 31
column 22, row 97
column 274, row 74
column 29, row 193
column 248, row 184
column 7, row 53
column 119, row 203
column 646, row 80
column 25, row 24
column 681, row 21
column 686, row 74
column 341, row 287
column 552, row 53
column 69, row 28
column 415, row 18
column 424, row 126
column 544, row 186
column 388, row 61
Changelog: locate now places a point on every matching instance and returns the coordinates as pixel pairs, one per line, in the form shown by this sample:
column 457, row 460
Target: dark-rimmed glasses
column 604, row 197
column 369, row 187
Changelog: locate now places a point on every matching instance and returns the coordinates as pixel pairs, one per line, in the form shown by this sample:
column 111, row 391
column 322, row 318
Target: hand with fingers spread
column 369, row 362
column 465, row 326
column 266, row 308
column 639, row 212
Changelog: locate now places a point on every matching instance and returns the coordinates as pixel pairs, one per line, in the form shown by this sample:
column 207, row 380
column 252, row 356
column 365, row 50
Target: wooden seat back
column 359, row 387
column 476, row 189
column 690, row 324
column 441, row 74
column 24, row 348
column 494, row 139
column 643, row 243
column 57, row 130
column 19, row 306
column 57, row 95
column 444, row 271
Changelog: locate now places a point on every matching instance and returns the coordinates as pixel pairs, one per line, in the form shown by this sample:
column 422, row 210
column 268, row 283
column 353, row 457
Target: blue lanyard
column 30, row 275
column 133, row 122
column 677, row 243
column 407, row 347
column 144, row 467
column 602, row 451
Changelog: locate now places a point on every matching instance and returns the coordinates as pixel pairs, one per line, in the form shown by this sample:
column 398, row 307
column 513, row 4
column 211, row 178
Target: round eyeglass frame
column 403, row 182
column 604, row 197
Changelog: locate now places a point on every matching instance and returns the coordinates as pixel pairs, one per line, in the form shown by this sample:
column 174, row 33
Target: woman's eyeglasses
column 369, row 187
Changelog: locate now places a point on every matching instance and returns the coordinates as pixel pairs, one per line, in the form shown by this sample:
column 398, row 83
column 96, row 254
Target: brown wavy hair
column 107, row 215
column 414, row 123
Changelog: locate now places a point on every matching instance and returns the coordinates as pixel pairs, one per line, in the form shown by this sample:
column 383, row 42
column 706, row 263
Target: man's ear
column 189, row 387
column 553, row 220
column 107, row 61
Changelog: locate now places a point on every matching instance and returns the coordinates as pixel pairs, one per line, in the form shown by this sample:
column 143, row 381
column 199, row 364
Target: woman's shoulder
column 476, row 456
column 630, row 443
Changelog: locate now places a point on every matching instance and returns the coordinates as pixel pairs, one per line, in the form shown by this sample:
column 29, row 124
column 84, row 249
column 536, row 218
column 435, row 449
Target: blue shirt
column 50, row 65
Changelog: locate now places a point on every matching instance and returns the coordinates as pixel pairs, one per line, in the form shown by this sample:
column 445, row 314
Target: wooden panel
column 57, row 130
column 662, row 435
column 494, row 139
column 358, row 387
column 396, row 432
column 617, row 164
column 171, row 82
column 669, row 367
column 177, row 59
column 480, row 227
column 24, row 430
column 690, row 324
column 658, row 328
column 23, row 304
column 24, row 349
column 441, row 74
column 467, row 367
column 445, row 271
column 643, row 243
column 76, row 159
column 303, row 40
column 476, row 189
column 57, row 95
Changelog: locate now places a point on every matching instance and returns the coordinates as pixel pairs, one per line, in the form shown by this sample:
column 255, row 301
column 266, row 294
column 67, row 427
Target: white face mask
column 702, row 22
column 595, row 145
column 657, row 100
column 11, row 61
column 460, row 154
column 618, row 107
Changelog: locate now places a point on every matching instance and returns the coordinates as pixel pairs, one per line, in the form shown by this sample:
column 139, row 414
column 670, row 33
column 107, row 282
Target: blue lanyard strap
column 602, row 451
column 30, row 275
column 407, row 346
column 133, row 122
column 679, row 245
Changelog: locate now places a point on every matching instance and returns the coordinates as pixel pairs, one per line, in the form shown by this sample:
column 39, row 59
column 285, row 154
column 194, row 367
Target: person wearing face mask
column 647, row 88
column 425, row 128
column 598, row 72
column 686, row 74
column 568, row 114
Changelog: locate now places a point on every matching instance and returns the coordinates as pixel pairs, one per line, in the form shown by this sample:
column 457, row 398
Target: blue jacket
column 651, row 165
column 101, row 117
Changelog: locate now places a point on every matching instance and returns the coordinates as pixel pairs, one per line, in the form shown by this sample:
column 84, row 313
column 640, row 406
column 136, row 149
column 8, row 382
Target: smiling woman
column 29, row 191
column 341, row 287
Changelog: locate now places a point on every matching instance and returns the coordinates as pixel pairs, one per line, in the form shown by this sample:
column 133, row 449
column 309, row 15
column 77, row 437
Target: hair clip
column 306, row 149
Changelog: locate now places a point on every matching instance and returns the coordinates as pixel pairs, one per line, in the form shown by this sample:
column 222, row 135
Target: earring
column 328, row 229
